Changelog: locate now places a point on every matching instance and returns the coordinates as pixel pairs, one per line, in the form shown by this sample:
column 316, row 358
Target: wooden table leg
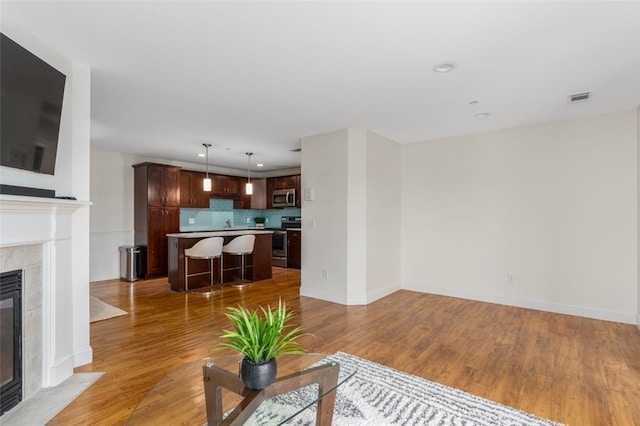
column 215, row 378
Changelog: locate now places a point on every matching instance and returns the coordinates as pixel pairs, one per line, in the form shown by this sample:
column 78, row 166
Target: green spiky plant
column 261, row 338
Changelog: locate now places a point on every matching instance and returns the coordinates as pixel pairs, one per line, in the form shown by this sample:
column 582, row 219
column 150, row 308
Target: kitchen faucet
column 228, row 223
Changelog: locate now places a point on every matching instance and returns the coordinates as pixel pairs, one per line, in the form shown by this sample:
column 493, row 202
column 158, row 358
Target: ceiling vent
column 579, row 97
column 296, row 150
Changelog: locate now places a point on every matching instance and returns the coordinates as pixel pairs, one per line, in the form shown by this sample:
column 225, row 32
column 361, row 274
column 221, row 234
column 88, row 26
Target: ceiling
column 168, row 76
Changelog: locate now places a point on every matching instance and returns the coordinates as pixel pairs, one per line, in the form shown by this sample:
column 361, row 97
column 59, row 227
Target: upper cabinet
column 163, row 185
column 283, row 182
column 225, row 186
column 298, row 191
column 192, row 193
column 256, row 201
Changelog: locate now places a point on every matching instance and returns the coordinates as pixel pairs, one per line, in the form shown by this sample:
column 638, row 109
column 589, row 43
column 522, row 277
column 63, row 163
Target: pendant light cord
column 249, row 154
column 207, row 145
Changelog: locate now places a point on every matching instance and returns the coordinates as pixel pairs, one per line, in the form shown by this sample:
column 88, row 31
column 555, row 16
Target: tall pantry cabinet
column 156, row 212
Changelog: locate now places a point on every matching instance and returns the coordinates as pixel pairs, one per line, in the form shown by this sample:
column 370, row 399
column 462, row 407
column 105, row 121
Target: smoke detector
column 579, row 97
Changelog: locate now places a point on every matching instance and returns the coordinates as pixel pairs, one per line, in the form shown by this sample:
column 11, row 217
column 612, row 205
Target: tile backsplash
column 221, row 210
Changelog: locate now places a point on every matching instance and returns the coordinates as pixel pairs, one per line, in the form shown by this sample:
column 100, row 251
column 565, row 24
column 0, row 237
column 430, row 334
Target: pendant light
column 249, row 185
column 206, row 183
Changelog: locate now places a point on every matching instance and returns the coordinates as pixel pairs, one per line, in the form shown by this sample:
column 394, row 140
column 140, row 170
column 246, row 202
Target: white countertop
column 220, row 233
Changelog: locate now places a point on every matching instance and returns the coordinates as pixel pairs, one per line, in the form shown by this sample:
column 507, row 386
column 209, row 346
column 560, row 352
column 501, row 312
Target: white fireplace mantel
column 21, row 204
column 48, row 222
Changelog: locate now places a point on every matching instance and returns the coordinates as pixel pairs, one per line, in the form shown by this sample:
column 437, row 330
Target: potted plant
column 259, row 222
column 261, row 338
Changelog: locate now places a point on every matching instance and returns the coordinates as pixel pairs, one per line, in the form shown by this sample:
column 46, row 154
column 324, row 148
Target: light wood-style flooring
column 572, row 370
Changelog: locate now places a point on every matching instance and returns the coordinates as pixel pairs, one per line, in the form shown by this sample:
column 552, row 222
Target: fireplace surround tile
column 28, row 258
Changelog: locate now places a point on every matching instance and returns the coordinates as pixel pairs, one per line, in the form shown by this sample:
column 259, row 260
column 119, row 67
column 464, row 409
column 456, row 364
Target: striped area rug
column 379, row 395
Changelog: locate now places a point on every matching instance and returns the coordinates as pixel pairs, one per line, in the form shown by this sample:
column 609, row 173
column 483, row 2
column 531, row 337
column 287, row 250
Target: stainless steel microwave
column 284, row 198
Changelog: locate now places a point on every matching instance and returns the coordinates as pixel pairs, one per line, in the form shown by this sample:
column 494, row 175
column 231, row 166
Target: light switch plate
column 309, row 194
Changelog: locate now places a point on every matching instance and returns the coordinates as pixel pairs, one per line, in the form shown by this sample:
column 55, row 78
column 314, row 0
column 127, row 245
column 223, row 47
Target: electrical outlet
column 248, row 220
column 266, row 220
column 510, row 279
column 192, row 220
column 325, row 273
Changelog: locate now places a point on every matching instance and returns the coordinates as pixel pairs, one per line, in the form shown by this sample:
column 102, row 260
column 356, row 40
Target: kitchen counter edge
column 204, row 234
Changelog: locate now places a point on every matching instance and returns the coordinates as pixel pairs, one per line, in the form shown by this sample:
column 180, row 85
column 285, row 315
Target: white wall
column 71, row 179
column 80, row 187
column 554, row 206
column 356, row 211
column 324, row 168
column 638, row 185
column 111, row 212
column 383, row 216
column 355, row 176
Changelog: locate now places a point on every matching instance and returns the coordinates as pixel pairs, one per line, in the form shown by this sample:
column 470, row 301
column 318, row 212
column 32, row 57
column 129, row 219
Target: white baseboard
column 383, row 292
column 82, row 357
column 58, row 373
column 350, row 301
column 559, row 308
column 322, row 295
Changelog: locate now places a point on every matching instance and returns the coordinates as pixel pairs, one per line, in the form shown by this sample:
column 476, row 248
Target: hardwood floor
column 572, row 370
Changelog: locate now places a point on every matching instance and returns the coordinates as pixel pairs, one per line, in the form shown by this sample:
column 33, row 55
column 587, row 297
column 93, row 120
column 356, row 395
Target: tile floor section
column 48, row 402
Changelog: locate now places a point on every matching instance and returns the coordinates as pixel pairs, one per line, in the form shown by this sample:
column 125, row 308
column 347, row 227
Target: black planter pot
column 258, row 376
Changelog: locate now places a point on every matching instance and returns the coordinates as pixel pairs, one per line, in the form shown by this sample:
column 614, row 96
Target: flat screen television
column 30, row 109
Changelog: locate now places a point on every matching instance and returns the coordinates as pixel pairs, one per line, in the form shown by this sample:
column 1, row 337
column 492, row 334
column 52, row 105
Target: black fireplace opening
column 11, row 340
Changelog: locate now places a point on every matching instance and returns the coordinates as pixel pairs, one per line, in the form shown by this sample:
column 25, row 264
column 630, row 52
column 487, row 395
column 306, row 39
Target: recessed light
column 482, row 115
column 201, row 155
column 444, row 67
column 259, row 165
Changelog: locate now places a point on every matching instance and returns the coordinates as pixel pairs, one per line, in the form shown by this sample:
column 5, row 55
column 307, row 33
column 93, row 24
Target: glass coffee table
column 209, row 392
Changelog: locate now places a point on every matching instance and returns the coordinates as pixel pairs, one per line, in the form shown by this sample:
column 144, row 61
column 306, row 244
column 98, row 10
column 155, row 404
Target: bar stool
column 239, row 246
column 208, row 248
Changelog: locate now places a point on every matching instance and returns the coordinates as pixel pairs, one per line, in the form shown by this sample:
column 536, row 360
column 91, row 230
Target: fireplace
column 10, row 340
column 36, row 238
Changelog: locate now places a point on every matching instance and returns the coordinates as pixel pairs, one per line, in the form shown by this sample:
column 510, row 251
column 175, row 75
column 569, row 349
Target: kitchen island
column 258, row 264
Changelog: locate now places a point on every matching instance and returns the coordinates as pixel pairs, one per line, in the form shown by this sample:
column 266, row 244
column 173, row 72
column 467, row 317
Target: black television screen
column 30, row 109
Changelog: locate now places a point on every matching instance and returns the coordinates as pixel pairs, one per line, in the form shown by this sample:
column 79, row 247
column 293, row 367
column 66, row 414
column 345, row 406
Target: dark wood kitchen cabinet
column 225, row 186
column 284, row 182
column 156, row 212
column 192, row 193
column 294, row 248
column 162, row 221
column 298, row 191
column 162, row 185
column 256, row 201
